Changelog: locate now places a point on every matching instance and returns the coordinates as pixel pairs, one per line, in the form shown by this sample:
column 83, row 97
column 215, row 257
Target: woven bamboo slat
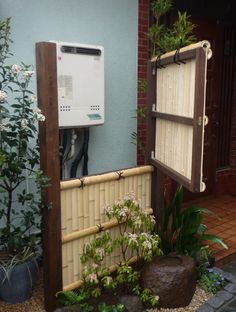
column 83, row 209
column 167, row 135
column 175, row 89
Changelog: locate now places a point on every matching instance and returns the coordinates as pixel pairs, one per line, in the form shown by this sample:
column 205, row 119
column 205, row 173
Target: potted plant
column 21, row 181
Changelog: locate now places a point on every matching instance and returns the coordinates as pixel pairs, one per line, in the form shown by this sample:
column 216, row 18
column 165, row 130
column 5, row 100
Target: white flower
column 145, row 235
column 92, row 278
column 123, row 212
column 40, row 117
column 157, row 298
column 107, row 280
column 16, row 68
column 108, row 210
column 147, row 245
column 38, row 114
column 28, row 73
column 133, row 239
column 138, row 222
column 152, row 219
column 100, row 252
column 130, row 196
column 34, row 99
column 85, row 270
column 24, row 123
column 3, row 96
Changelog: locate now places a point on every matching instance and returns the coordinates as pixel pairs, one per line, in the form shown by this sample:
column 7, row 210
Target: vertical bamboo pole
column 49, row 152
column 157, row 188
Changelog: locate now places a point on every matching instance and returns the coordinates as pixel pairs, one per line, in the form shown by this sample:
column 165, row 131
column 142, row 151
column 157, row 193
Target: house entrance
column 217, row 26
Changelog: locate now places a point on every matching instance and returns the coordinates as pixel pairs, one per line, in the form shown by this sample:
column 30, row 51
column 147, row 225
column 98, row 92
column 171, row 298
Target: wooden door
column 214, row 34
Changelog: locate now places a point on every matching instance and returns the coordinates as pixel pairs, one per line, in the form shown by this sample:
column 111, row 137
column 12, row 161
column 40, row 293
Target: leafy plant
column 135, row 239
column 80, row 299
column 165, row 39
column 210, row 280
column 183, row 231
column 20, row 208
column 103, row 307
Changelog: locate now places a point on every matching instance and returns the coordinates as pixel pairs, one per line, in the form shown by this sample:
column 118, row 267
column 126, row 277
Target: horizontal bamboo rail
column 112, row 269
column 201, row 44
column 110, row 176
column 95, row 229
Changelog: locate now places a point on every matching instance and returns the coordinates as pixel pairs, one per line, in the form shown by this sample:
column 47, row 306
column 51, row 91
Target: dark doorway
column 215, row 21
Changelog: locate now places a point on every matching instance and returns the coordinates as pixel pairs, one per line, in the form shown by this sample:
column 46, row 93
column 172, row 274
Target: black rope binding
column 120, row 175
column 177, row 59
column 100, row 228
column 158, row 63
column 82, row 185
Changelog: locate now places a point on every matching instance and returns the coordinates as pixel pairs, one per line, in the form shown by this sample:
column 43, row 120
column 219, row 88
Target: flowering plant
column 19, row 156
column 135, row 239
column 210, row 280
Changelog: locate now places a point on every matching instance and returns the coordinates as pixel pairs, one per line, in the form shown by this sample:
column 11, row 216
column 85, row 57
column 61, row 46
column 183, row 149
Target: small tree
column 19, row 154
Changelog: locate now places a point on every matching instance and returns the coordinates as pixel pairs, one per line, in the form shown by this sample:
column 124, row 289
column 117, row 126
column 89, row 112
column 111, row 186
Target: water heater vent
column 80, row 50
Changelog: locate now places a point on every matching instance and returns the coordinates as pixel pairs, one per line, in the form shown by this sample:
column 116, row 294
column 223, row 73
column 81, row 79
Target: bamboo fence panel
column 180, row 113
column 82, row 211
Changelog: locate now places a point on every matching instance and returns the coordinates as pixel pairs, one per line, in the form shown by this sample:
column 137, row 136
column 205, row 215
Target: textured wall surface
column 111, row 23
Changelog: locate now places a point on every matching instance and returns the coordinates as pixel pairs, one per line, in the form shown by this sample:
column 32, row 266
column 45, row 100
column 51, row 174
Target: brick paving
column 224, row 226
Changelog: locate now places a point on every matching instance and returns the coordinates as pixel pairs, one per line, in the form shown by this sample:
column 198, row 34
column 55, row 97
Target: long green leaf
column 214, row 239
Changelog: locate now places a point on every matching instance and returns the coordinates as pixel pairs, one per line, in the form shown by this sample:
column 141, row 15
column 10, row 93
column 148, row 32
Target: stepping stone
column 231, row 287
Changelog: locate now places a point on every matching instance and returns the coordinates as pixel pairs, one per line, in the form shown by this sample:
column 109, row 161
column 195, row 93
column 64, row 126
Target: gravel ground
column 198, row 299
column 35, row 304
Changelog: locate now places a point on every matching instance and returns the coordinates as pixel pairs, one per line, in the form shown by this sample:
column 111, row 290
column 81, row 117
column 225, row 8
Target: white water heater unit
column 80, row 79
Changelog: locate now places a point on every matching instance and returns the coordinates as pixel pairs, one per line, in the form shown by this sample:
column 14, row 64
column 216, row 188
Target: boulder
column 132, row 303
column 173, row 278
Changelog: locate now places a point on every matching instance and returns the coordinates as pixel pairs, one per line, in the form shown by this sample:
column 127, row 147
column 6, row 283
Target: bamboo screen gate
column 180, row 113
column 82, row 213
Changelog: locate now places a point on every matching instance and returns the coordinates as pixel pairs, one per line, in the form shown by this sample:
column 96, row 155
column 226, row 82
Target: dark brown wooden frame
column 49, row 151
column 194, row 185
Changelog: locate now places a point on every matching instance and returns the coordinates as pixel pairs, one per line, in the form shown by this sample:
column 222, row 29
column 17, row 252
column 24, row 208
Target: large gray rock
column 172, row 278
column 132, row 303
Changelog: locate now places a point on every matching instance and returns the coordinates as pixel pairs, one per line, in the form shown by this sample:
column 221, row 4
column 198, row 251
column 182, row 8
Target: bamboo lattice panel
column 83, row 208
column 180, row 114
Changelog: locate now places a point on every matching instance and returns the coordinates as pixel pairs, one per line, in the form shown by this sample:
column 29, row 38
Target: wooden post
column 158, row 178
column 49, row 152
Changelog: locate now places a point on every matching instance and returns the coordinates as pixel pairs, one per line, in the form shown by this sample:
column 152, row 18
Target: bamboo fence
column 82, row 212
column 180, row 112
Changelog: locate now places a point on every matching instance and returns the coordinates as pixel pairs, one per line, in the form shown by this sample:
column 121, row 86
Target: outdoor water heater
column 80, row 80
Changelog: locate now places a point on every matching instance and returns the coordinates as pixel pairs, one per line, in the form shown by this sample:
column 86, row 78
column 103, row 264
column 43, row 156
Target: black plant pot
column 18, row 286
